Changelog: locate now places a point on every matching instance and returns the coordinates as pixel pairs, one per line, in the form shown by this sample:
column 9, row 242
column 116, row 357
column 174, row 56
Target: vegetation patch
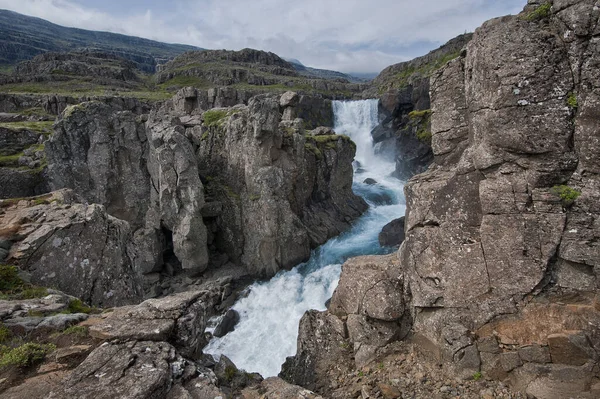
column 13, row 287
column 25, row 355
column 572, row 101
column 5, row 333
column 477, row 376
column 79, row 331
column 541, row 12
column 567, row 194
column 214, row 117
column 77, row 306
column 422, row 121
column 312, row 148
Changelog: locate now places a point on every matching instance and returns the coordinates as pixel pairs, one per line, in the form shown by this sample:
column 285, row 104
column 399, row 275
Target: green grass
column 214, row 117
column 79, row 331
column 419, row 114
column 567, row 194
column 10, row 160
column 44, row 127
column 184, row 81
column 572, row 101
column 9, row 278
column 5, row 333
column 77, row 306
column 13, row 287
column 541, row 12
column 25, row 355
column 477, row 376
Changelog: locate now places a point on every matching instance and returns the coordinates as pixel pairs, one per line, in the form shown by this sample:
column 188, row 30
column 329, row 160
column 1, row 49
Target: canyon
column 145, row 225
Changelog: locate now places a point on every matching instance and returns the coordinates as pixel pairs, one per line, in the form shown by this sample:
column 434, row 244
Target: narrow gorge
column 264, row 232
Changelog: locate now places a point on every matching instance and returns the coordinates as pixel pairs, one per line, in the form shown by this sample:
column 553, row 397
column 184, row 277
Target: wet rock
column 392, row 234
column 227, row 324
column 370, row 181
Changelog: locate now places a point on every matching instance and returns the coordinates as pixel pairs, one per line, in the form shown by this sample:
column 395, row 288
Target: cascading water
column 269, row 315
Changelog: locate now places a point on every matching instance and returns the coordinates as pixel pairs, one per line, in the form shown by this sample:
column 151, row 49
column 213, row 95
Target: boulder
column 77, row 248
column 227, row 324
column 392, row 234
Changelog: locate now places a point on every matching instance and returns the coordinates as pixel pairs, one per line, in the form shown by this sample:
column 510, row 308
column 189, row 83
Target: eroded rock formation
column 500, row 262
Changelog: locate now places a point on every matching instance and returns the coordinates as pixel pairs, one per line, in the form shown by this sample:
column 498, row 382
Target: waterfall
column 269, row 315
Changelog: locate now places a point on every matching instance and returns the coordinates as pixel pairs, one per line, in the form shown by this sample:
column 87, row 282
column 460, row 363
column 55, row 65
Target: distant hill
column 23, row 37
column 323, row 73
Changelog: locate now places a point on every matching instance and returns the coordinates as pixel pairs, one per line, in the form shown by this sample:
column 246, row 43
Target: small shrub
column 79, row 331
column 9, row 278
column 76, row 306
column 230, row 373
column 26, row 355
column 572, row 101
column 567, row 194
column 542, row 12
column 424, row 135
column 419, row 114
column 477, row 376
column 380, row 366
column 5, row 333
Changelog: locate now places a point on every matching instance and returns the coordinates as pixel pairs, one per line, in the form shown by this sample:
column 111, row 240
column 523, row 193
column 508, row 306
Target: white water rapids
column 269, row 315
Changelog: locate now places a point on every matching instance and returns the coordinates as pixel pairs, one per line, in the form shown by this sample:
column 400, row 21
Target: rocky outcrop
column 498, row 275
column 404, row 131
column 513, row 150
column 77, row 248
column 392, row 233
column 283, row 191
column 101, row 152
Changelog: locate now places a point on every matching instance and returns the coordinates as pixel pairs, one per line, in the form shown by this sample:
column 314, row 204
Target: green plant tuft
column 214, row 117
column 5, row 333
column 76, row 306
column 230, row 373
column 9, row 278
column 477, row 376
column 541, row 12
column 26, row 355
column 567, row 194
column 572, row 100
column 79, row 331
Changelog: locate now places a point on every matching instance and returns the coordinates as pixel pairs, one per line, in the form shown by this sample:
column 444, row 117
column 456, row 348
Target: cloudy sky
column 343, row 35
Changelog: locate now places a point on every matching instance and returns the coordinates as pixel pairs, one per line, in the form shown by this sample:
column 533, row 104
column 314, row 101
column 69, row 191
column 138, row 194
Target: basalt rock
column 282, row 192
column 490, row 230
column 101, row 153
column 498, row 273
column 77, row 248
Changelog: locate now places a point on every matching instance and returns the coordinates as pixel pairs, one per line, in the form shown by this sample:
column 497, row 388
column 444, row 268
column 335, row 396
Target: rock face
column 201, row 187
column 404, row 132
column 498, row 273
column 77, row 248
column 101, row 152
column 392, row 233
column 282, row 192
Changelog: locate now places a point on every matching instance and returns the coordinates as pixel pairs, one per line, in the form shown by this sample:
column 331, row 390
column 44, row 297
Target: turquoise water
column 271, row 311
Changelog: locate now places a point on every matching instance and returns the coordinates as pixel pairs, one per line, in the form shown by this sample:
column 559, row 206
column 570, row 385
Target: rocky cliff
column 498, row 275
column 404, row 131
column 183, row 188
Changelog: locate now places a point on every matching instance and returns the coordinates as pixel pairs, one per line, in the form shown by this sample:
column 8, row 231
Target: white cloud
column 345, row 35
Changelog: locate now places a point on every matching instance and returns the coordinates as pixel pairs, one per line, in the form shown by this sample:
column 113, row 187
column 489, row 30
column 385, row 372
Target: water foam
column 271, row 311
